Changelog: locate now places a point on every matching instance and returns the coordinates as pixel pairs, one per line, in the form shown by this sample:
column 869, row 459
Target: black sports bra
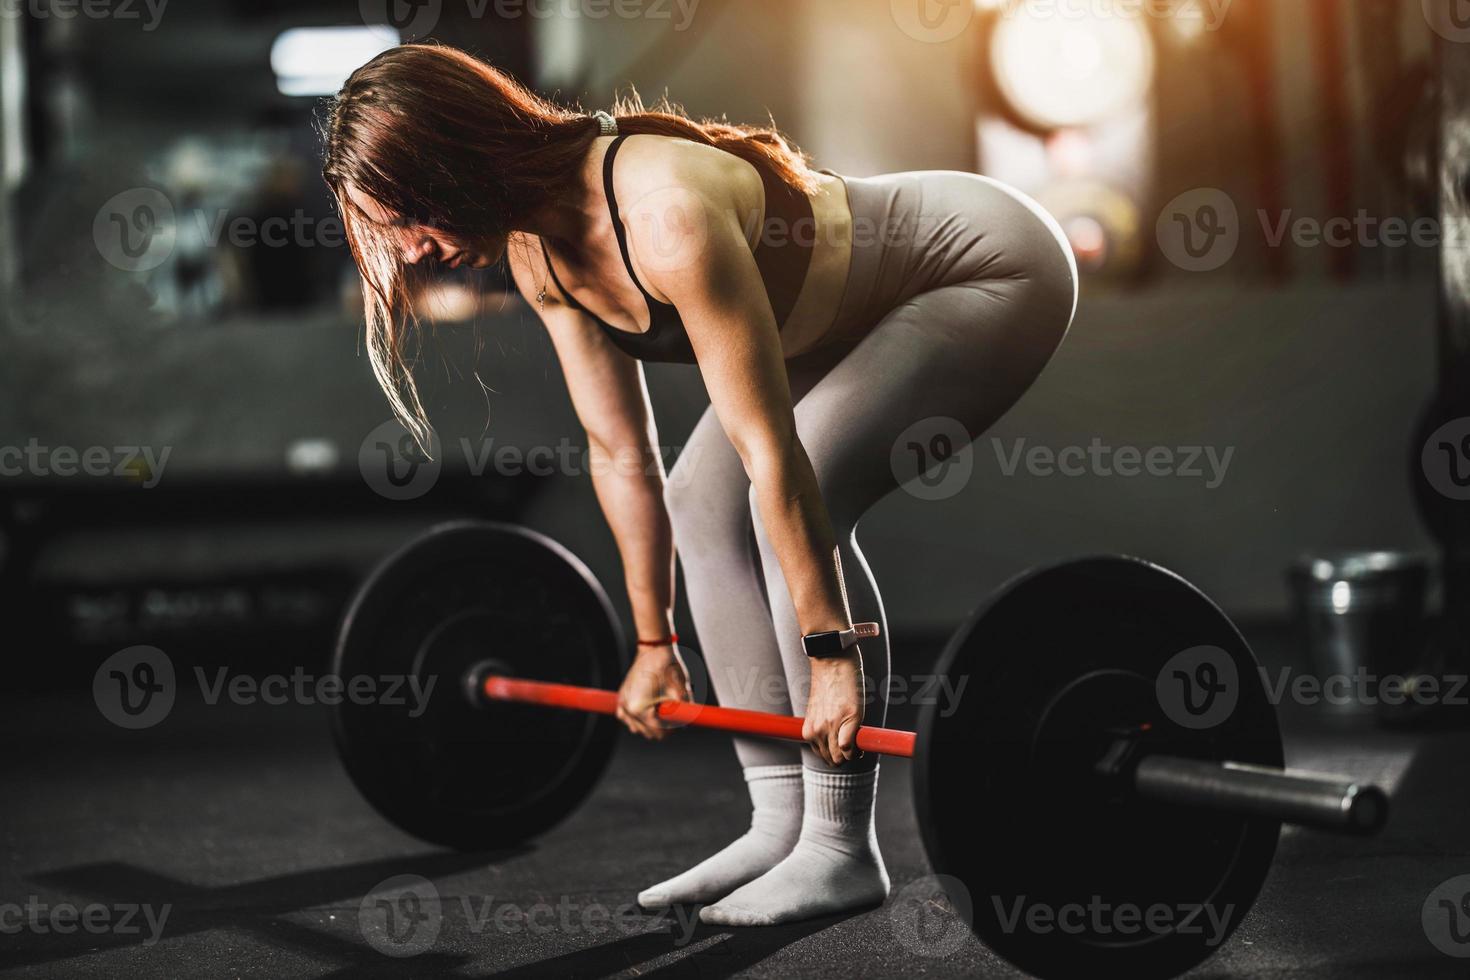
column 788, row 214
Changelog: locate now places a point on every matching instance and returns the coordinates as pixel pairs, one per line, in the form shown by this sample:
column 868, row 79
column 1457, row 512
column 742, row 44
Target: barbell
column 1106, row 795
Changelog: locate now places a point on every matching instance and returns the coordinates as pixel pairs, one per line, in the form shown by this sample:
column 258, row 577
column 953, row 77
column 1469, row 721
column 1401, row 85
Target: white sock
column 834, row 867
column 776, row 799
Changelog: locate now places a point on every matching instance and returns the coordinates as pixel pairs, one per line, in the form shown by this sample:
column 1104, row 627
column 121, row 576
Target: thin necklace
column 541, row 294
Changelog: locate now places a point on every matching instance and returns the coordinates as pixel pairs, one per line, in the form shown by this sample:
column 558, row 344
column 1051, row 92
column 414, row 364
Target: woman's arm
column 684, row 217
column 611, row 401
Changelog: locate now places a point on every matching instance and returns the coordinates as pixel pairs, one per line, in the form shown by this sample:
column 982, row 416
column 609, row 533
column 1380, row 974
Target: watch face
column 827, row 644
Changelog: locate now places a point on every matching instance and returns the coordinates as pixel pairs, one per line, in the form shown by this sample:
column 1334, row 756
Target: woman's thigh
column 954, row 357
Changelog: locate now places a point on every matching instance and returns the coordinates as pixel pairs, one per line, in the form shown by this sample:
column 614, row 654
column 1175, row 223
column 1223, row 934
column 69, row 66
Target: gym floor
column 239, row 824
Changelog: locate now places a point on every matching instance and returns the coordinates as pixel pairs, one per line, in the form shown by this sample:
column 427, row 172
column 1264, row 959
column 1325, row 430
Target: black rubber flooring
column 238, row 824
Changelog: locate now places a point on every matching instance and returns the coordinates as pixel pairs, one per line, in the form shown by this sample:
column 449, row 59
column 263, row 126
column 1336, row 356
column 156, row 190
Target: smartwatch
column 836, row 643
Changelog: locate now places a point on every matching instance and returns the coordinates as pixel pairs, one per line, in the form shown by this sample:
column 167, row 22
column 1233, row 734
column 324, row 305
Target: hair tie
column 607, row 122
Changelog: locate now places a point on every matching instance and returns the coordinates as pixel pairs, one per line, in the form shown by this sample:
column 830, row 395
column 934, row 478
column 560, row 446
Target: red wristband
column 668, row 641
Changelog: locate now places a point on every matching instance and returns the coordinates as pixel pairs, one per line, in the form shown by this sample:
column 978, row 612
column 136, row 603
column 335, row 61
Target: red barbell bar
column 884, row 741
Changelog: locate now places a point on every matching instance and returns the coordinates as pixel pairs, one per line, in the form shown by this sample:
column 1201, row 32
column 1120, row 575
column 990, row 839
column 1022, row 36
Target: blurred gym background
column 177, row 302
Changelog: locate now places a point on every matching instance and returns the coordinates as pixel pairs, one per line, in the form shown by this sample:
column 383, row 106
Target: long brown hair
column 440, row 138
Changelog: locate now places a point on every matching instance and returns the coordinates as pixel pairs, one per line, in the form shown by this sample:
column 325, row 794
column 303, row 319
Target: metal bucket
column 1361, row 615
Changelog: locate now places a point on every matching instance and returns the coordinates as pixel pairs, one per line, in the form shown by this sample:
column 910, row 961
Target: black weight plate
column 456, row 770
column 1008, row 805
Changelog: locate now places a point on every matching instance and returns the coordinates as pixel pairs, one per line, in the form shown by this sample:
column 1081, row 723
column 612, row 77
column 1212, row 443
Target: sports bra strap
column 617, row 221
column 551, row 270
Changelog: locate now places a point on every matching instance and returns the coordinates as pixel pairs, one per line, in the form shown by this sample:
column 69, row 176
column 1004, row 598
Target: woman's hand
column 657, row 675
column 834, row 709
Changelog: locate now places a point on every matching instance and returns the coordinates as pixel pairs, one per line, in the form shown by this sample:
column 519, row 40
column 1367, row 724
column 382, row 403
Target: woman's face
column 418, row 242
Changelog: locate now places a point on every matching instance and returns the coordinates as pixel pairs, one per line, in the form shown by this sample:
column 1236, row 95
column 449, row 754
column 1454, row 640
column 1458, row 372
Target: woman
column 825, row 314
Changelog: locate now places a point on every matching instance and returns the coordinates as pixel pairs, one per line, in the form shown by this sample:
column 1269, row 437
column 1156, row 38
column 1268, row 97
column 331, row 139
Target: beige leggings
column 959, row 292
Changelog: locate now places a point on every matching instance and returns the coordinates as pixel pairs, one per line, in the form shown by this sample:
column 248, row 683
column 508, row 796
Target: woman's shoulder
column 650, row 165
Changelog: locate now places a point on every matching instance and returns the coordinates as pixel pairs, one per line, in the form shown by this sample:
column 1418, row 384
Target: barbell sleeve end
column 1331, row 803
